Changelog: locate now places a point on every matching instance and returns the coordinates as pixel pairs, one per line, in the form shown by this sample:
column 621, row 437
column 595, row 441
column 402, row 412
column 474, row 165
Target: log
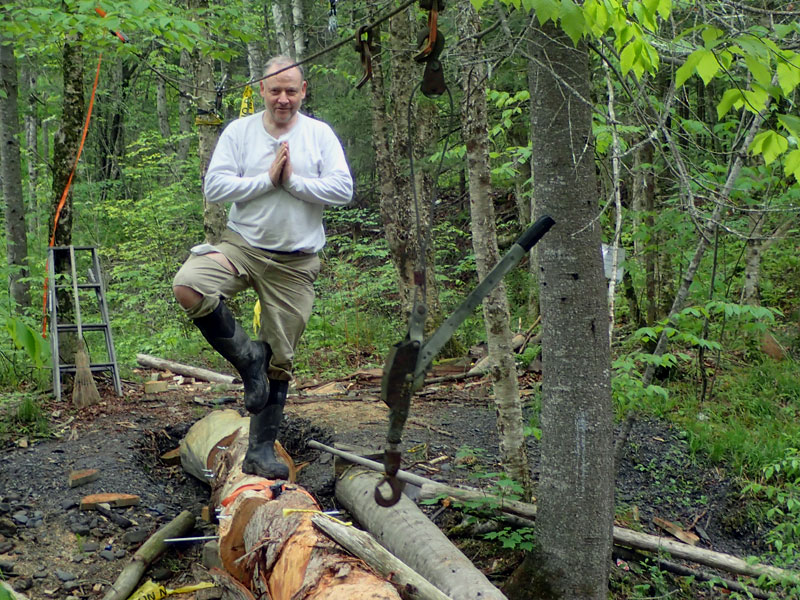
column 412, row 586
column 129, row 577
column 432, row 489
column 644, row 541
column 408, row 534
column 153, row 362
column 267, row 541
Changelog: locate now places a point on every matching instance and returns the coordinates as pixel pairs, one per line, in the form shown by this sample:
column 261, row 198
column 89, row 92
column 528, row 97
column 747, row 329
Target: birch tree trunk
column 280, row 29
column 496, row 313
column 752, row 259
column 298, row 30
column 11, row 173
column 576, row 490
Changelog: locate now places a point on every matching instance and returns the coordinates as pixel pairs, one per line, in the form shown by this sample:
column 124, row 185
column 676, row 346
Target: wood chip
column 687, row 537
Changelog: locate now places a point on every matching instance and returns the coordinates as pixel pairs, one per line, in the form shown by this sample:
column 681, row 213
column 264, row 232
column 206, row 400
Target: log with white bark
column 153, row 362
column 267, row 540
column 408, row 534
column 635, row 539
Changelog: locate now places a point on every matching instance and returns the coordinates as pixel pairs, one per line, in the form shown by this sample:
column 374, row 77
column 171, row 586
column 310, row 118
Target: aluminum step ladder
column 75, row 271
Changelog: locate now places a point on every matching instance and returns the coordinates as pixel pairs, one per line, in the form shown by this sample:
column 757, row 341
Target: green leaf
column 791, row 123
column 707, row 66
column 546, row 10
column 731, row 98
column 686, row 69
column 769, row 144
column 788, row 72
column 572, row 20
column 756, row 99
column 760, row 72
column 791, row 165
column 478, row 4
column 664, row 8
column 711, row 36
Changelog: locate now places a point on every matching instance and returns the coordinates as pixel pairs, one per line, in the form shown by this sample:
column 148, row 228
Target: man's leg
column 215, row 275
column 286, row 292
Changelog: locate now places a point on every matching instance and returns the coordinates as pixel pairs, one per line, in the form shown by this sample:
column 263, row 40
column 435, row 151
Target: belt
column 284, row 253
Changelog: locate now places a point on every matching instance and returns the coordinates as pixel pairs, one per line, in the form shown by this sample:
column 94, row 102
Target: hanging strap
column 66, row 190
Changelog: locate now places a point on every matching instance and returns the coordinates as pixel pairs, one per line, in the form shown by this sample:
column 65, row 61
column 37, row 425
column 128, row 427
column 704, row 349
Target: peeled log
column 267, row 541
column 408, row 534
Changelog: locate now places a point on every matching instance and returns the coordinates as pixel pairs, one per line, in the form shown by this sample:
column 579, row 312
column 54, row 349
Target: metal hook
column 396, row 487
column 365, row 47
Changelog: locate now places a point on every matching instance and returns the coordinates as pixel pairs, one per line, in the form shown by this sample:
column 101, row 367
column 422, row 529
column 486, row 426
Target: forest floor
column 50, row 548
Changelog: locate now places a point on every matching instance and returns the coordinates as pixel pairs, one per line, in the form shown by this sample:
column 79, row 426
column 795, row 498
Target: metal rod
column 404, row 476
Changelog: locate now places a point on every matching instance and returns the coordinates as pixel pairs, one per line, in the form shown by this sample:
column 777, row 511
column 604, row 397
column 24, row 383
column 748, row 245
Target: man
column 278, row 168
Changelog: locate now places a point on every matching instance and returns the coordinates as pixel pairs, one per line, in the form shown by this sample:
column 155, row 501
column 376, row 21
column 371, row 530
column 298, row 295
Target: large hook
column 364, row 46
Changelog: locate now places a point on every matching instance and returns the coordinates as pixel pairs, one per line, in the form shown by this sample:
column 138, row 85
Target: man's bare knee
column 186, row 296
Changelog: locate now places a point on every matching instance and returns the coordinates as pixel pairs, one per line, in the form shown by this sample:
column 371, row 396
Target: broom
column 84, row 390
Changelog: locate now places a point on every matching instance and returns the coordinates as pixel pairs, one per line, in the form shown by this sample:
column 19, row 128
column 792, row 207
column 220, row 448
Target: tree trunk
column 391, row 140
column 215, row 215
column 576, row 491
column 408, row 534
column 298, row 30
column 279, row 18
column 162, row 108
column 644, row 215
column 273, row 554
column 11, row 174
column 67, row 137
column 496, row 313
column 752, row 259
column 32, row 126
column 185, row 110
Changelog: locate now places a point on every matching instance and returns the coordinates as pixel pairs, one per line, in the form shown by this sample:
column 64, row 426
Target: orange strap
column 263, row 486
column 66, row 190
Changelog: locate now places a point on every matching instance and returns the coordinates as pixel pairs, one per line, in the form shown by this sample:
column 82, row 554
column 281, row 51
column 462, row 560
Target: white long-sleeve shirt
column 286, row 218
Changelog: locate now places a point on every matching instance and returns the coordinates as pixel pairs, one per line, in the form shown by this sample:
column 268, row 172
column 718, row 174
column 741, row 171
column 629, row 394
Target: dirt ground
column 49, row 548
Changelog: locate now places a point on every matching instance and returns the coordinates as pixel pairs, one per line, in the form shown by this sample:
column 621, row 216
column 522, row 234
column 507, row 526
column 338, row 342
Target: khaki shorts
column 284, row 283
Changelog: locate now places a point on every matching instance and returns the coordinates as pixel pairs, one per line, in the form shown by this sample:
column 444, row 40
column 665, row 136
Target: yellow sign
column 248, row 107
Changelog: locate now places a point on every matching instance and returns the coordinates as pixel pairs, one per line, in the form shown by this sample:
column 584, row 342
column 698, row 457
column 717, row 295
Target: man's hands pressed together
column 281, row 168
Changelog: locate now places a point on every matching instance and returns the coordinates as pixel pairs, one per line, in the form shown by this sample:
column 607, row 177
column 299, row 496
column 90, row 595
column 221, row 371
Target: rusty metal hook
column 396, row 487
column 364, row 46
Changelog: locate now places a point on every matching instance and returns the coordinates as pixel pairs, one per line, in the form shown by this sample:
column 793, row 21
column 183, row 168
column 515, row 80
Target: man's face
column 283, row 94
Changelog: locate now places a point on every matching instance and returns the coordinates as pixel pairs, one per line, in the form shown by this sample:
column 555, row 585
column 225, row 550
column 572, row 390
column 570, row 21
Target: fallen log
column 267, row 540
column 641, row 541
column 624, row 537
column 153, row 362
column 673, row 567
column 153, row 548
column 408, row 534
column 433, row 489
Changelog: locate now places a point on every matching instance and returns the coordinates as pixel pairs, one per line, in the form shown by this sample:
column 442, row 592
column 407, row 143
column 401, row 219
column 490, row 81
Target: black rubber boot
column 260, row 458
column 228, row 338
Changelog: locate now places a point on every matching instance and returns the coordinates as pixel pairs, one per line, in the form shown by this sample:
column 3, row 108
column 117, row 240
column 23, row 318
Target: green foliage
column 27, row 360
column 22, row 415
column 779, row 489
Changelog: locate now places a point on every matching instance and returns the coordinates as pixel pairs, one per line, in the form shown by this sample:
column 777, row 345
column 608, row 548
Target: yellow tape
column 150, row 590
column 288, row 511
column 248, row 107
